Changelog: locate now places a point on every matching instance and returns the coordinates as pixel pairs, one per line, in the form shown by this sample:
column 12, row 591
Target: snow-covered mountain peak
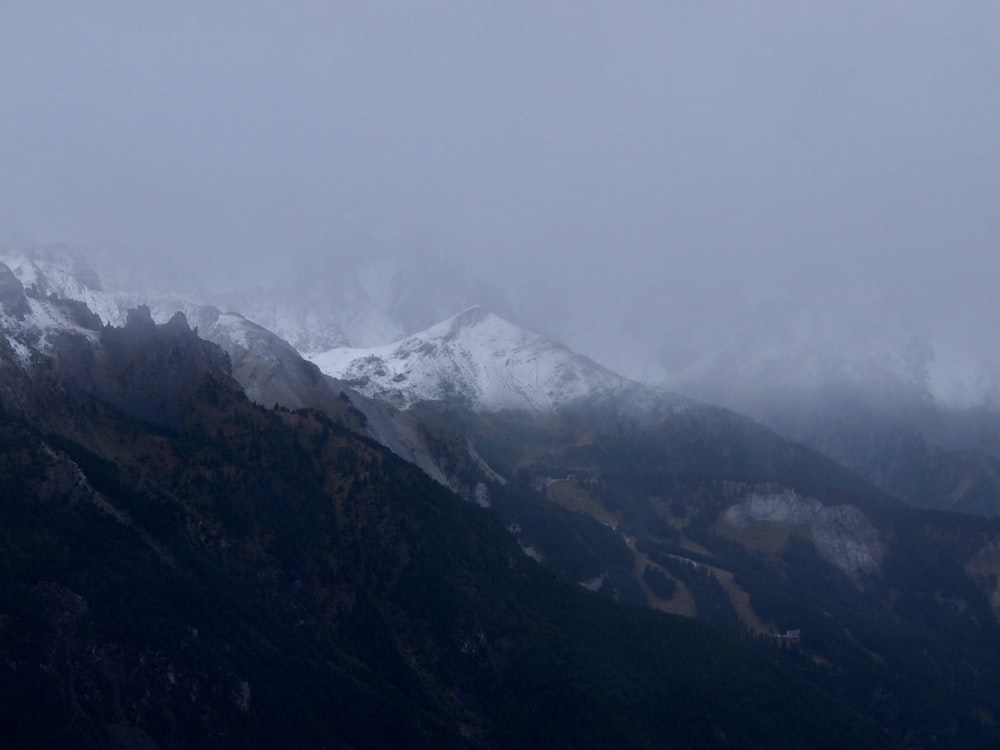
column 476, row 357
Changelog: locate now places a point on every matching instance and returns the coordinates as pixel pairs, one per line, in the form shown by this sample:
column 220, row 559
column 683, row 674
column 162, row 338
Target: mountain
column 268, row 368
column 657, row 500
column 702, row 512
column 270, row 371
column 874, row 410
column 926, row 453
column 185, row 568
column 481, row 360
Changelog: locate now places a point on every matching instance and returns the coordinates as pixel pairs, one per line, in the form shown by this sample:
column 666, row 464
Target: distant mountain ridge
column 873, row 410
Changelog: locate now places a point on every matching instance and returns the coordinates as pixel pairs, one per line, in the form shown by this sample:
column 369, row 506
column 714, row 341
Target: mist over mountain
column 868, row 397
column 369, row 297
column 655, row 187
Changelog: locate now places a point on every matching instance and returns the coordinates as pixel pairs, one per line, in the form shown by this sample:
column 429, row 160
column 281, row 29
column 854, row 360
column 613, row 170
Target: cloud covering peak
column 651, row 176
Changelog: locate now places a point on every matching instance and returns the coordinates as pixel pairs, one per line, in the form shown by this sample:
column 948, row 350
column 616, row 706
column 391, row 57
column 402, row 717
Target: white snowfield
column 475, row 356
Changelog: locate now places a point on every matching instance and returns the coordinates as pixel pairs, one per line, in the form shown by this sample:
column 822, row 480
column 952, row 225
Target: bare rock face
column 12, row 298
column 787, row 507
column 156, row 371
column 843, row 535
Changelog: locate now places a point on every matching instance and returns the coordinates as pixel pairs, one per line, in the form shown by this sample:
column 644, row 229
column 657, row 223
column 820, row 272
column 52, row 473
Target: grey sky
column 664, row 168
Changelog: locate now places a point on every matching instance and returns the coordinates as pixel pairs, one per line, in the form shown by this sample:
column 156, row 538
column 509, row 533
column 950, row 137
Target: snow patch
column 594, row 584
column 785, row 507
column 532, row 552
column 481, row 495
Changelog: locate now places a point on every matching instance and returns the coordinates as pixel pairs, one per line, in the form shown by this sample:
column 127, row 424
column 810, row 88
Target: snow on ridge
column 69, row 277
column 475, row 356
column 34, row 331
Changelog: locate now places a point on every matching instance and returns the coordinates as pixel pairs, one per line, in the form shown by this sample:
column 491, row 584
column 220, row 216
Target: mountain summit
column 478, row 358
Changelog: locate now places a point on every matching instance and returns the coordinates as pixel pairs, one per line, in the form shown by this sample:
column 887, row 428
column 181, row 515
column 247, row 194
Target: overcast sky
column 665, row 168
